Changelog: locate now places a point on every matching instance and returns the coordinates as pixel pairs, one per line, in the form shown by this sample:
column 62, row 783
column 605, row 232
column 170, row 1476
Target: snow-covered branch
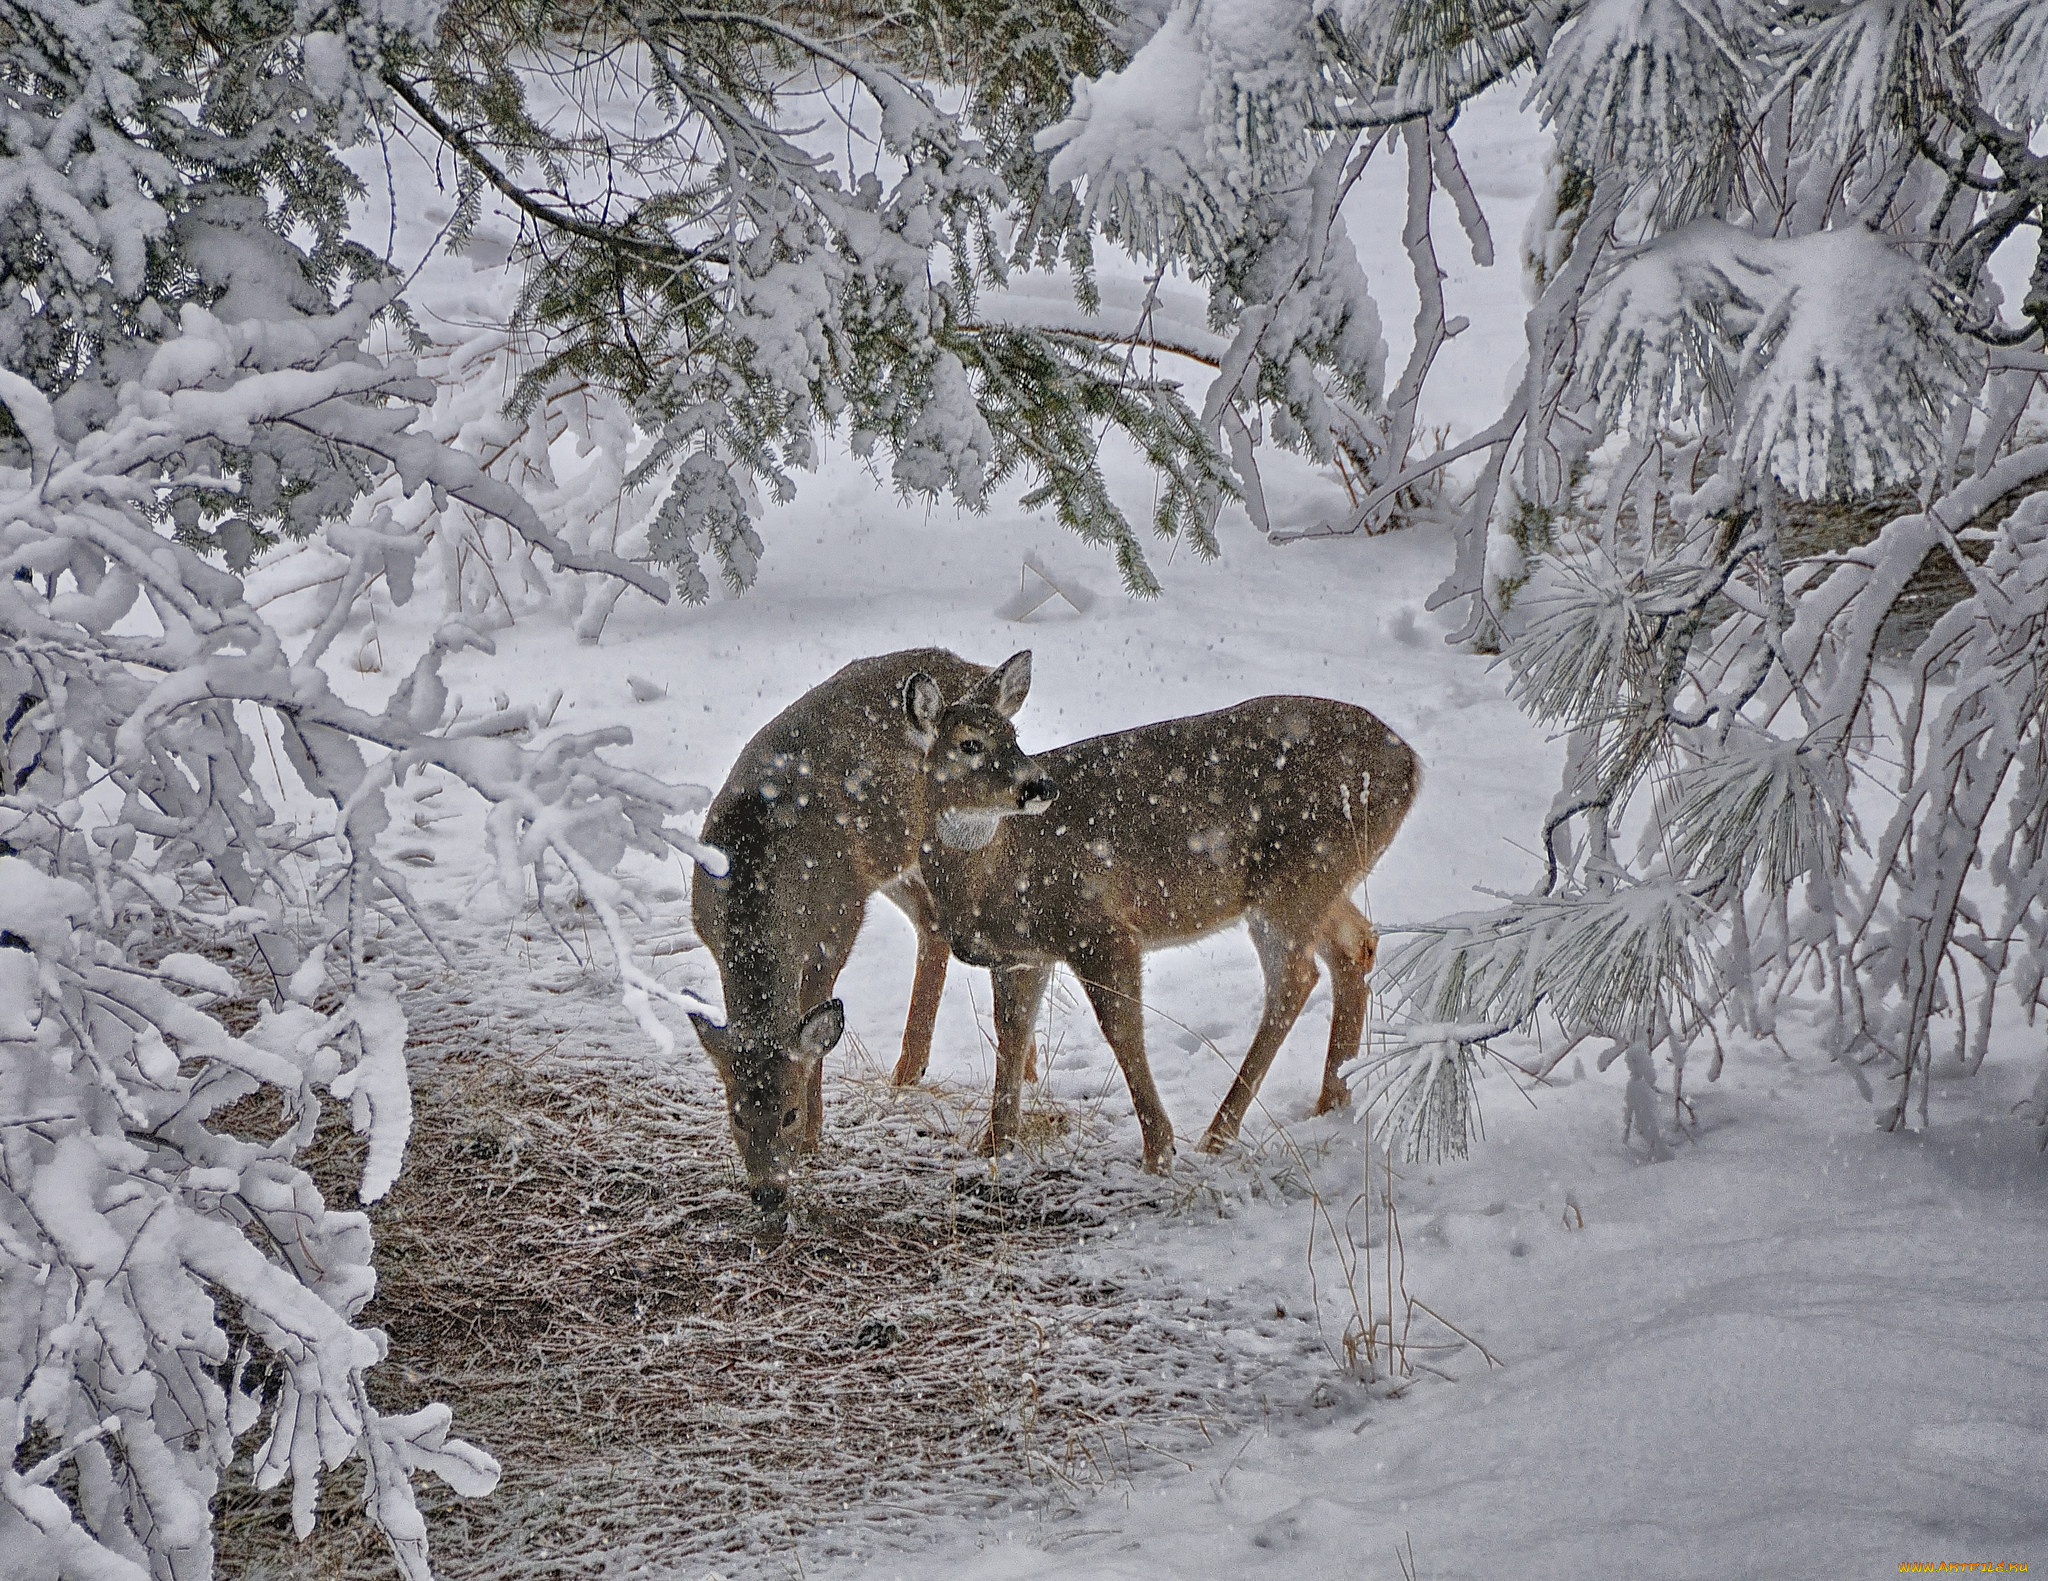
column 135, row 680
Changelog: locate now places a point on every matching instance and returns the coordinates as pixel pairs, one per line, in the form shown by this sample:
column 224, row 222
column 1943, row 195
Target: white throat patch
column 967, row 831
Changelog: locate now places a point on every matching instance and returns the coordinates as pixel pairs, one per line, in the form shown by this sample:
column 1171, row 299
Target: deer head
column 975, row 773
column 767, row 1082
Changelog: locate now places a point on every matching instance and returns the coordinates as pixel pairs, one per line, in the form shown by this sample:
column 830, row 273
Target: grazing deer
column 1270, row 811
column 821, row 810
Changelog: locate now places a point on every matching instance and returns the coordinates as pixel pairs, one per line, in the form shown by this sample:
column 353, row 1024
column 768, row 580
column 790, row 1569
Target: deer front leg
column 930, row 983
column 1113, row 975
column 915, row 902
column 1018, row 993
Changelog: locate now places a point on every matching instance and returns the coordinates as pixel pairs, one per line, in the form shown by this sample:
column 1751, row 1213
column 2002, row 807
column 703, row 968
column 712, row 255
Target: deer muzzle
column 1035, row 795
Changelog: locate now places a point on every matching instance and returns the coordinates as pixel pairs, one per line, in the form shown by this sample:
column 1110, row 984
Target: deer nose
column 1036, row 795
column 768, row 1196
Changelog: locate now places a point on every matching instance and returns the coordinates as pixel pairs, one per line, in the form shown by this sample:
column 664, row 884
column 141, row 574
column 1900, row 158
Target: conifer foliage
column 795, row 235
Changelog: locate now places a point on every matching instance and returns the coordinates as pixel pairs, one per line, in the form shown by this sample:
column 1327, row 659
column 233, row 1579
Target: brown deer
column 822, row 809
column 1271, row 811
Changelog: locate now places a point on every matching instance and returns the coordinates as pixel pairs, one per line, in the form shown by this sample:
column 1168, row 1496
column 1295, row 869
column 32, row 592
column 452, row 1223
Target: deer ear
column 818, row 1031
column 1005, row 687
column 923, row 702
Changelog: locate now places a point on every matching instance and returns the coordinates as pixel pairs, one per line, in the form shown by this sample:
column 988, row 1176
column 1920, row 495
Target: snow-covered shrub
column 1226, row 146
column 135, row 684
column 1760, row 275
column 185, row 380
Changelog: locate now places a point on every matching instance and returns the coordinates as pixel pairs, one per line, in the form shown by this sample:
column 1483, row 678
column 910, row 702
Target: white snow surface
column 1799, row 1348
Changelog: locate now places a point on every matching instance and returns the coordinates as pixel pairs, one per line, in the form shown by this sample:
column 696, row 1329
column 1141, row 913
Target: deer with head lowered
column 820, row 812
column 1092, row 854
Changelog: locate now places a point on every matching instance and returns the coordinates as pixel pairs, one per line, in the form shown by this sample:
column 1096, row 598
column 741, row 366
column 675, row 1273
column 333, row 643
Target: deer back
column 1277, row 805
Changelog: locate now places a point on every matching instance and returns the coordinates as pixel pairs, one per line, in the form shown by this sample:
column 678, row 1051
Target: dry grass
column 570, row 1261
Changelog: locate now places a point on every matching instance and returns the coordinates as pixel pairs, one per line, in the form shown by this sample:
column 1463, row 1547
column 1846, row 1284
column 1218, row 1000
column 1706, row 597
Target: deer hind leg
column 1113, row 977
column 1290, row 969
column 1019, row 990
column 915, row 902
column 1350, row 946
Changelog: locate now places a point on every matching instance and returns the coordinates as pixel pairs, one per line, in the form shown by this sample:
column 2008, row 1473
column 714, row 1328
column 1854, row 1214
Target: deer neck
column 762, row 983
column 961, row 856
column 965, row 883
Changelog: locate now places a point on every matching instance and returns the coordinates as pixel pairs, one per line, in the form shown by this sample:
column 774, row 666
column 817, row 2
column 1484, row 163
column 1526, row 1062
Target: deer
column 1092, row 854
column 821, row 811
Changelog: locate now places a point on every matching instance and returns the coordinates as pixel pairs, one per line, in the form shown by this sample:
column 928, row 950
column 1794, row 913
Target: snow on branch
column 126, row 1222
column 1435, row 54
column 743, row 286
column 1977, row 744
column 1588, row 648
column 1868, row 74
column 1615, row 963
column 1831, row 353
column 2008, row 44
column 1425, row 1081
column 1761, row 809
column 1144, row 142
column 1636, row 82
column 1760, row 268
column 1212, row 149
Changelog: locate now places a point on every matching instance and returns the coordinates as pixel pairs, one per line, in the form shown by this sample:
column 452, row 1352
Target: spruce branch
column 616, row 235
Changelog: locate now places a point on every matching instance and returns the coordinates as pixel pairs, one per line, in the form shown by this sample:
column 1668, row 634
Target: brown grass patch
column 569, row 1259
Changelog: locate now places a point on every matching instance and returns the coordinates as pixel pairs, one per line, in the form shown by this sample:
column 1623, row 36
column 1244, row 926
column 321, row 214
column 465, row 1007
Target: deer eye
column 789, row 1118
column 972, row 747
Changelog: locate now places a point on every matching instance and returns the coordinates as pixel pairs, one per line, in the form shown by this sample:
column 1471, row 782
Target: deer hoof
column 1338, row 1097
column 1215, row 1140
column 907, row 1074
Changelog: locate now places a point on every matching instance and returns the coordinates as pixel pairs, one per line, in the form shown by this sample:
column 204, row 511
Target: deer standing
column 821, row 810
column 1270, row 811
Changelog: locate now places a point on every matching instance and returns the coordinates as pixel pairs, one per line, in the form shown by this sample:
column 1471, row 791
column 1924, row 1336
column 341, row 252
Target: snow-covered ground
column 1801, row 1347
column 1798, row 1348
